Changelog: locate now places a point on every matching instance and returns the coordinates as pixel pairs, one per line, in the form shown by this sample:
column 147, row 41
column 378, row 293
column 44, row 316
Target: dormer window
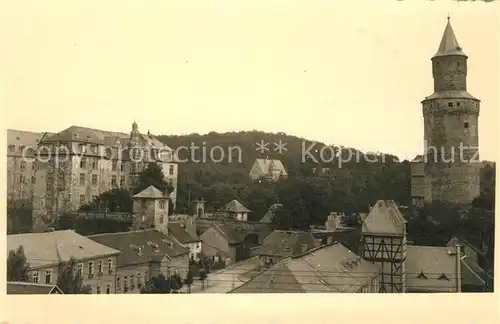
column 421, row 275
column 443, row 277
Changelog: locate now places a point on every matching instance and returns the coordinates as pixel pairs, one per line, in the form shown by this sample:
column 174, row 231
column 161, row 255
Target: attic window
column 421, row 275
column 443, row 277
column 76, row 135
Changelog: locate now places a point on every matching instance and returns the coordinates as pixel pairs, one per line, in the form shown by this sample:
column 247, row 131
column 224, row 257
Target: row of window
column 98, row 289
column 22, row 179
column 22, row 165
column 48, row 277
column 12, row 148
column 129, row 283
column 90, row 266
column 94, row 180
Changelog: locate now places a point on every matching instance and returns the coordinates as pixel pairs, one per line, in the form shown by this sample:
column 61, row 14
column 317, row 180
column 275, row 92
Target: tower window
column 458, row 104
column 466, row 125
column 450, row 104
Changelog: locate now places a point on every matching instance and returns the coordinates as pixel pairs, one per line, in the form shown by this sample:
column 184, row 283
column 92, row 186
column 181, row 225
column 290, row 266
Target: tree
column 69, row 281
column 175, row 282
column 153, row 176
column 19, row 216
column 203, row 276
column 189, row 279
column 114, row 200
column 162, row 285
column 17, row 266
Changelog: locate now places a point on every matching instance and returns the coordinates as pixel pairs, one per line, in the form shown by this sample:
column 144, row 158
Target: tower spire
column 449, row 44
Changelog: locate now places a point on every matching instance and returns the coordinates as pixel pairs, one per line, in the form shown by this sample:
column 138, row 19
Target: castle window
column 82, row 200
column 12, row 148
column 162, row 204
column 114, row 165
column 458, row 104
column 122, row 181
column 94, row 179
column 171, row 169
column 82, row 163
column 23, row 165
column 113, row 180
column 82, row 179
column 35, row 276
column 94, row 164
column 466, row 125
column 450, row 104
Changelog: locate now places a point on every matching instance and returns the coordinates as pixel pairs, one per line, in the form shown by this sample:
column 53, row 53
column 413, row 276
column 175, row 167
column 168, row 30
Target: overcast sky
column 342, row 72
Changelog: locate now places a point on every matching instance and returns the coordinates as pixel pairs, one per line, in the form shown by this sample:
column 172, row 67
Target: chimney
column 199, row 208
column 459, row 268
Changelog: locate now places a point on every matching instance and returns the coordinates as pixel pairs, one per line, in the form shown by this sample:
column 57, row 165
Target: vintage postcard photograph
column 232, row 152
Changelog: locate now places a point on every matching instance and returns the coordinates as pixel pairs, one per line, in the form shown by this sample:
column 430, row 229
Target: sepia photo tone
column 93, row 209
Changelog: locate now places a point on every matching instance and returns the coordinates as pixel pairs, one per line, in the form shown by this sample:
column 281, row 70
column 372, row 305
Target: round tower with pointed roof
column 451, row 117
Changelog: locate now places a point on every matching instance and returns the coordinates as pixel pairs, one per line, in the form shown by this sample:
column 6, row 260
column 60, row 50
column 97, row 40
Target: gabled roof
column 183, row 236
column 425, row 265
column 140, row 246
column 384, row 219
column 449, row 44
column 45, row 249
column 286, row 243
column 463, row 242
column 268, row 217
column 95, row 136
column 234, row 206
column 233, row 233
column 150, row 193
column 266, row 166
column 326, row 269
column 29, row 288
column 20, row 138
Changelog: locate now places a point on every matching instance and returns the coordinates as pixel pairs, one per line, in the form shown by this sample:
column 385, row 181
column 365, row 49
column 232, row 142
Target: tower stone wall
column 451, row 130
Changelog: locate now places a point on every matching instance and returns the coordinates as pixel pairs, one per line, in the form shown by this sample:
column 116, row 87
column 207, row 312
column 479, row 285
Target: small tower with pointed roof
column 451, row 127
column 150, row 208
column 384, row 243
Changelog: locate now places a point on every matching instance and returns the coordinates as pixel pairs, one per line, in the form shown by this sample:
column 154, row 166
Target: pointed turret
column 449, row 44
